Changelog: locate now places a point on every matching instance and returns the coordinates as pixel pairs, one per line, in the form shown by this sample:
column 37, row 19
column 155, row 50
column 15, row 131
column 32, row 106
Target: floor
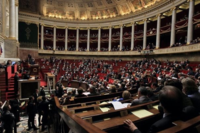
column 23, row 126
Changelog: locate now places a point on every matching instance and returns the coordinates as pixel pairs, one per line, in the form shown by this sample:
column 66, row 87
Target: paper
column 155, row 107
column 23, row 103
column 118, row 105
column 103, row 103
column 106, row 119
column 142, row 113
column 126, row 104
column 104, row 109
column 86, row 93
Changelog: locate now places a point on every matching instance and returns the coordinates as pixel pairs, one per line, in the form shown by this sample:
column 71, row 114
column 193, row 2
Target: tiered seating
column 112, row 120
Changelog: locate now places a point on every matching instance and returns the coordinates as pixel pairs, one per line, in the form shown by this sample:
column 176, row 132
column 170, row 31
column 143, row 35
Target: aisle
column 23, row 126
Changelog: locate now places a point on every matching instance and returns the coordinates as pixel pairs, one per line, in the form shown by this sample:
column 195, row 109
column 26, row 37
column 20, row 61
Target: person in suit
column 31, row 111
column 16, row 78
column 80, row 92
column 93, row 91
column 170, row 99
column 36, row 95
column 45, row 112
column 42, row 93
column 142, row 97
column 15, row 109
column 25, row 75
column 8, row 118
column 191, row 90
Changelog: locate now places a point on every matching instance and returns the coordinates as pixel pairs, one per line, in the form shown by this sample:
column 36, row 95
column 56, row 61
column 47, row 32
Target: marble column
column 42, row 37
column 77, row 39
column 54, row 38
column 99, row 39
column 132, row 35
column 88, row 39
column 12, row 18
column 110, row 39
column 158, row 32
column 17, row 19
column 145, row 35
column 66, row 39
column 190, row 22
column 173, row 28
column 121, row 38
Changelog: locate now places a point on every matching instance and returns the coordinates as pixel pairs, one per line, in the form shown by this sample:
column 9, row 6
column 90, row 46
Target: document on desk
column 141, row 113
column 155, row 107
column 103, row 103
column 126, row 104
column 104, row 109
column 86, row 93
column 118, row 105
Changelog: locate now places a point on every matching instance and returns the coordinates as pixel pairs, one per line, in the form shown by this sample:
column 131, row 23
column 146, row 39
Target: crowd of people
column 10, row 112
column 178, row 92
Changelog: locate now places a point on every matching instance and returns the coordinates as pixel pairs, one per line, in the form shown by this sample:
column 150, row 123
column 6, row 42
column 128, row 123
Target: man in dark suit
column 31, row 110
column 9, row 119
column 16, row 78
column 142, row 97
column 80, row 92
column 45, row 112
column 42, row 93
column 170, row 99
column 191, row 90
column 93, row 91
column 15, row 109
column 36, row 95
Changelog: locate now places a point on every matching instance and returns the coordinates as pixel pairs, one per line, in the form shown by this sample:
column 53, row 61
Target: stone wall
column 11, row 48
column 23, row 52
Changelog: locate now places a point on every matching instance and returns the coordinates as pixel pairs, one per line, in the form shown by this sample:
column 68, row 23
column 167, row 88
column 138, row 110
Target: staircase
column 3, row 86
column 10, row 94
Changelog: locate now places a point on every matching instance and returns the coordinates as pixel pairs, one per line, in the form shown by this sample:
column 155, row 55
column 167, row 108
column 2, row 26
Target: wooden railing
column 173, row 50
column 64, row 119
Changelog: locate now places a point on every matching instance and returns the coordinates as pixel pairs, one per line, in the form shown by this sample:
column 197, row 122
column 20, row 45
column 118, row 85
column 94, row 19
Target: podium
column 27, row 87
column 34, row 70
column 50, row 79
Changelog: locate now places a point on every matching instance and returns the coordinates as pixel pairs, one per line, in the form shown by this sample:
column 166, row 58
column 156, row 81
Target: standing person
column 31, row 110
column 45, row 112
column 42, row 93
column 15, row 109
column 36, row 95
column 16, row 78
column 9, row 119
column 39, row 109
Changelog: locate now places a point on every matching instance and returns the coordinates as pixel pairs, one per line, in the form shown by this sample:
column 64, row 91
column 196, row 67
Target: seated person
column 151, row 95
column 80, row 92
column 170, row 99
column 191, row 90
column 113, row 89
column 178, row 85
column 126, row 95
column 93, row 91
column 142, row 97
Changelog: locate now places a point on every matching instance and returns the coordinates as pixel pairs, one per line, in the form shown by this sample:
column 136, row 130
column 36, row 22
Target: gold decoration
column 35, row 70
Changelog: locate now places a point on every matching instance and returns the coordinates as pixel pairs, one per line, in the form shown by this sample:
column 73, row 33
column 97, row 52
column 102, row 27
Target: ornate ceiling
column 85, row 9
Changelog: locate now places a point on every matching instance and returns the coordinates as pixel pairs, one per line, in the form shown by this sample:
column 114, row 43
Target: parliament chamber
column 100, row 66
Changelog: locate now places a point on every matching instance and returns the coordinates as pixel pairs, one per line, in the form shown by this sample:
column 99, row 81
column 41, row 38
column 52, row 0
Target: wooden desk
column 50, row 79
column 181, row 126
column 117, row 121
column 94, row 106
column 27, row 87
